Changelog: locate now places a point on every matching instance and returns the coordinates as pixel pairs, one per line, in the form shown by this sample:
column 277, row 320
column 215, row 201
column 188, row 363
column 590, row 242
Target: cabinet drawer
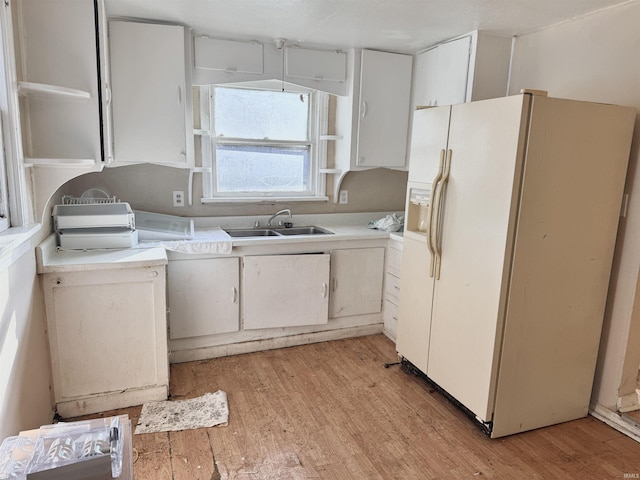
column 394, row 260
column 390, row 317
column 392, row 287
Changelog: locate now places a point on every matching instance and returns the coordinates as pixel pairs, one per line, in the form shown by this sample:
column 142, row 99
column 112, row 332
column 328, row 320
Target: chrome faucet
column 286, row 210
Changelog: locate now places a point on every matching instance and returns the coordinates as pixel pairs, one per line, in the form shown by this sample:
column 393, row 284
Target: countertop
column 150, row 253
column 49, row 259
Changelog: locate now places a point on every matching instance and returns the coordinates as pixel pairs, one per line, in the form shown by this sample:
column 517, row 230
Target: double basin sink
column 276, row 232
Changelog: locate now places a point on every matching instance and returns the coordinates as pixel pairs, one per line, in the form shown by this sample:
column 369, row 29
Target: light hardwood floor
column 332, row 411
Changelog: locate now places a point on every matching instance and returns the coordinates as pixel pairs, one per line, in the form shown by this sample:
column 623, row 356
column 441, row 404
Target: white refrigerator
column 511, row 221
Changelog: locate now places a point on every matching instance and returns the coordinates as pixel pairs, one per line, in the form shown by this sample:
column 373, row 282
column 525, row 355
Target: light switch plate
column 344, row 197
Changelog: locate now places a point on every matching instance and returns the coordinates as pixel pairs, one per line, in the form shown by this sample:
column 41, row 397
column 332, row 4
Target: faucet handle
column 256, row 224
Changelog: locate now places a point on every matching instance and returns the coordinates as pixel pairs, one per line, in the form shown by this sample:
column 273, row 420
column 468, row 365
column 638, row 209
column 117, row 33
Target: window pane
column 251, row 168
column 259, row 114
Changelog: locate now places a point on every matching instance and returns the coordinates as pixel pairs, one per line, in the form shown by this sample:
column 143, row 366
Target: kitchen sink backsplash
column 297, row 220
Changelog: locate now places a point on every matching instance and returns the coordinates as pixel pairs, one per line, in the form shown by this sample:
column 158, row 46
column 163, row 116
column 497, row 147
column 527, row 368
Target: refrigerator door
column 416, row 294
column 428, row 136
column 475, row 235
column 428, row 142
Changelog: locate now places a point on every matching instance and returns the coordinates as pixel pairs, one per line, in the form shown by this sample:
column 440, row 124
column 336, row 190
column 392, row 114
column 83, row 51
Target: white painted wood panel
column 385, row 87
column 452, row 72
column 107, row 335
column 316, row 64
column 204, row 297
column 356, row 281
column 151, row 103
column 285, row 290
column 228, row 55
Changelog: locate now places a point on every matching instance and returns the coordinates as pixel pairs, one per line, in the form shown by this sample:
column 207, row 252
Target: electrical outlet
column 344, row 197
column 178, row 198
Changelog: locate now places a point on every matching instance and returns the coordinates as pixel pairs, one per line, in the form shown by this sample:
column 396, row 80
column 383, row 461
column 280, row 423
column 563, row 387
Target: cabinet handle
column 107, row 94
column 364, row 109
column 235, row 295
column 335, row 283
column 179, row 96
column 324, row 289
column 59, row 280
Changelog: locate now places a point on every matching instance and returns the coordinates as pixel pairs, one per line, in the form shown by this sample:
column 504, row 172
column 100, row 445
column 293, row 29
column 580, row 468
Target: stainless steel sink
column 303, row 231
column 275, row 232
column 252, row 232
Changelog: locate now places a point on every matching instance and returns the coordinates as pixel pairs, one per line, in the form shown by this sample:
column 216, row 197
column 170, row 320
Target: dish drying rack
column 71, row 200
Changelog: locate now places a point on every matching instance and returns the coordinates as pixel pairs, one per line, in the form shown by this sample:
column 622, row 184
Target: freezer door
column 416, row 294
column 475, row 233
column 428, row 136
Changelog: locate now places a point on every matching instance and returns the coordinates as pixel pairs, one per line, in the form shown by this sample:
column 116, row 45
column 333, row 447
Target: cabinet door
column 150, row 100
column 316, row 64
column 229, row 55
column 356, row 281
column 285, row 290
column 203, row 297
column 385, row 87
column 453, row 71
column 107, row 331
column 425, row 84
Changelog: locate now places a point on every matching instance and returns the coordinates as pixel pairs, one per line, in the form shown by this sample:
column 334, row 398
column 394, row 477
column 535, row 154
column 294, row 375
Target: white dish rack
column 94, row 223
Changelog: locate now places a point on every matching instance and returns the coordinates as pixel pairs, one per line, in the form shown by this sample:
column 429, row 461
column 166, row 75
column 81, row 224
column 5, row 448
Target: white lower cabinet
column 107, row 338
column 203, row 297
column 356, row 281
column 285, row 290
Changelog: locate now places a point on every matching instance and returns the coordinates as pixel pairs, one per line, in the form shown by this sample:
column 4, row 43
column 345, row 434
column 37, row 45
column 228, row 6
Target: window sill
column 14, row 242
column 266, row 200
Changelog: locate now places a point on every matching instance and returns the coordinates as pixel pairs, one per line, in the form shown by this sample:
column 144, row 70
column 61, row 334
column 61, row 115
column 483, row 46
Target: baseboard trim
column 217, row 351
column 621, row 423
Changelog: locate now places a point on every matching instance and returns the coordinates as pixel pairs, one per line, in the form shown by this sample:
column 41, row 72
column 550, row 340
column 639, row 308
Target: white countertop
column 343, row 227
column 49, row 259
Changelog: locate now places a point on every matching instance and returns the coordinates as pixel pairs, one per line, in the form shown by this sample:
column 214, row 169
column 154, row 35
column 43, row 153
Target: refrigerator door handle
column 436, row 222
column 430, row 210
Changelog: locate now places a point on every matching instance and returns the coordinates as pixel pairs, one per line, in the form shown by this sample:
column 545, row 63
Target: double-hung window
column 265, row 144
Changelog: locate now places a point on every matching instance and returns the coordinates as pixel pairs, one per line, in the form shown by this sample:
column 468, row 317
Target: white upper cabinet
column 231, row 61
column 468, row 68
column 372, row 120
column 151, row 94
column 63, row 88
column 385, row 88
column 330, row 66
column 228, row 55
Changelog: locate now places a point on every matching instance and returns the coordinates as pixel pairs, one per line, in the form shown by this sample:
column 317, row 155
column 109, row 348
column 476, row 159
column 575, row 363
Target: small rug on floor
column 209, row 410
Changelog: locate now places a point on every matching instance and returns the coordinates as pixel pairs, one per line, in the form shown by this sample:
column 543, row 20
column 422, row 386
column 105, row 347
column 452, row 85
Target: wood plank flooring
column 332, row 411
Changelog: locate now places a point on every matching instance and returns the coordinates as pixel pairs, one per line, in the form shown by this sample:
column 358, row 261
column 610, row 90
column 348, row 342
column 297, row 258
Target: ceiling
column 396, row 25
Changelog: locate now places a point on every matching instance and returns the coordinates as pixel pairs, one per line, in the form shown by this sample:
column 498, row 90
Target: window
column 265, row 144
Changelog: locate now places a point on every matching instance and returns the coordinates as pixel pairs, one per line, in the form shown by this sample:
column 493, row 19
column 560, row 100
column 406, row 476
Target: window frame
column 317, row 128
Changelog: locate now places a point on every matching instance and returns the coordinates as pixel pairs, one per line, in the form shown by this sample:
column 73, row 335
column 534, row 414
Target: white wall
column 596, row 58
column 25, row 397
